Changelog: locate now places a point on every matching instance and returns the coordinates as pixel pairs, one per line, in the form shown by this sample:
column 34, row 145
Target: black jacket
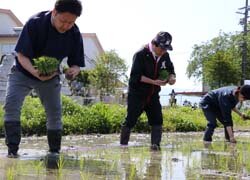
column 221, row 100
column 40, row 38
column 144, row 64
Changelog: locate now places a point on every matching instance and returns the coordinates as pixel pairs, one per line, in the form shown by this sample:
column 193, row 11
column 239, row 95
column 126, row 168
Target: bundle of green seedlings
column 163, row 74
column 46, row 65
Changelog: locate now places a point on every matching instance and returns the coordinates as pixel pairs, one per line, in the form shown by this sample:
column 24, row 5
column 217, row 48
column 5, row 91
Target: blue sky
column 125, row 25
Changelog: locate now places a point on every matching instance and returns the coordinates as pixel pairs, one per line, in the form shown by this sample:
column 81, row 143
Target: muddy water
column 182, row 156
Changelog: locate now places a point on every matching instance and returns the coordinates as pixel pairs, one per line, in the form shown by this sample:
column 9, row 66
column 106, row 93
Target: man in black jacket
column 151, row 69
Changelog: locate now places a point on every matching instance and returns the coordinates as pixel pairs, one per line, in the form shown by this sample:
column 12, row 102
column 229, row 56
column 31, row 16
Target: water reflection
column 182, row 156
column 154, row 168
column 223, row 161
column 52, row 161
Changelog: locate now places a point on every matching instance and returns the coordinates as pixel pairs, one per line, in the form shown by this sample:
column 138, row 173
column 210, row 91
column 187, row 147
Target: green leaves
column 46, row 65
column 217, row 62
column 163, row 74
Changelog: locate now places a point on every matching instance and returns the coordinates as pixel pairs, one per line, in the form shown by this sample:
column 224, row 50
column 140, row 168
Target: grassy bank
column 105, row 118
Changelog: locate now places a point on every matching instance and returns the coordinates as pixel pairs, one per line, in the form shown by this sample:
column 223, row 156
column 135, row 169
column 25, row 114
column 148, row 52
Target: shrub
column 107, row 118
column 183, row 119
column 74, row 116
column 142, row 124
column 33, row 117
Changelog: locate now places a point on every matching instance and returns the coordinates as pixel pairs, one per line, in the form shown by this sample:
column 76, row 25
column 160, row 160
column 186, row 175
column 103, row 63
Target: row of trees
column 109, row 73
column 218, row 62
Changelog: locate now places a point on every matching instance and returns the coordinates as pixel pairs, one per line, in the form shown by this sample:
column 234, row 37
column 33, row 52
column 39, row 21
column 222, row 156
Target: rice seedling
column 85, row 175
column 60, row 165
column 38, row 165
column 10, row 173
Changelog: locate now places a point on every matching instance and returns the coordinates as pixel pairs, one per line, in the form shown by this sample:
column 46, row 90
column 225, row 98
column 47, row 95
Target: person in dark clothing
column 219, row 104
column 53, row 34
column 147, row 75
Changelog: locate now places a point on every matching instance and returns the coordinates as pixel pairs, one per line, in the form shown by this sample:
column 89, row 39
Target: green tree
column 109, row 73
column 217, row 62
column 221, row 70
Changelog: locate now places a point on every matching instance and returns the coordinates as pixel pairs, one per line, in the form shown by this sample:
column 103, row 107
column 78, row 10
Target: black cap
column 245, row 91
column 163, row 40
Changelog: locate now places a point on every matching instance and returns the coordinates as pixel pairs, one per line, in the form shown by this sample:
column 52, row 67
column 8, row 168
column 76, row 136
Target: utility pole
column 243, row 22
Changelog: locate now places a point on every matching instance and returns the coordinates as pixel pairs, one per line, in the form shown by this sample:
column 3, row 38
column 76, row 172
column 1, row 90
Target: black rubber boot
column 12, row 137
column 227, row 138
column 54, row 140
column 156, row 133
column 125, row 134
column 208, row 134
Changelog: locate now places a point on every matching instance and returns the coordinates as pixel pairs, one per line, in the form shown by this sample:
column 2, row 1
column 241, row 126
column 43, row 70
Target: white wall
column 7, row 48
column 6, row 24
column 90, row 47
column 91, row 52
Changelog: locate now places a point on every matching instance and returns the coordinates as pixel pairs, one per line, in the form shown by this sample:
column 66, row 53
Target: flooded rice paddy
column 182, row 156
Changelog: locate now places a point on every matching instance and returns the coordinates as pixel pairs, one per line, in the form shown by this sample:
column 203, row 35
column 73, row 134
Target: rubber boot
column 12, row 137
column 54, row 140
column 208, row 134
column 125, row 134
column 227, row 138
column 156, row 133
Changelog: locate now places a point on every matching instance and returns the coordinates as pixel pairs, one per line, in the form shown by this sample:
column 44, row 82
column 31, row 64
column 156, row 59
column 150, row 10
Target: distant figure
column 172, row 100
column 151, row 69
column 218, row 104
column 186, row 103
column 195, row 106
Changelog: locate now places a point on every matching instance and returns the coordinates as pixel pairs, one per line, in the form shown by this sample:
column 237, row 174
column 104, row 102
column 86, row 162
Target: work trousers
column 20, row 85
column 136, row 106
column 212, row 116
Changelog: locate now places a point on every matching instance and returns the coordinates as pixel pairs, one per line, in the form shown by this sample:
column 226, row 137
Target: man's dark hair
column 71, row 6
column 245, row 91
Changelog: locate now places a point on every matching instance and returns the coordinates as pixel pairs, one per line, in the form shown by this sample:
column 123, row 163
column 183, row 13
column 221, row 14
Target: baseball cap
column 245, row 91
column 163, row 40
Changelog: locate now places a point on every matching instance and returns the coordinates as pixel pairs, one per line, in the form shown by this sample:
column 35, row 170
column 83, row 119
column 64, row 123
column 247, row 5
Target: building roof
column 12, row 16
column 94, row 37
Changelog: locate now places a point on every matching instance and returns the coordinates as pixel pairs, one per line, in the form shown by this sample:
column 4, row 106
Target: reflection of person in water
column 148, row 161
column 211, row 159
column 153, row 169
column 208, row 159
column 128, row 167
